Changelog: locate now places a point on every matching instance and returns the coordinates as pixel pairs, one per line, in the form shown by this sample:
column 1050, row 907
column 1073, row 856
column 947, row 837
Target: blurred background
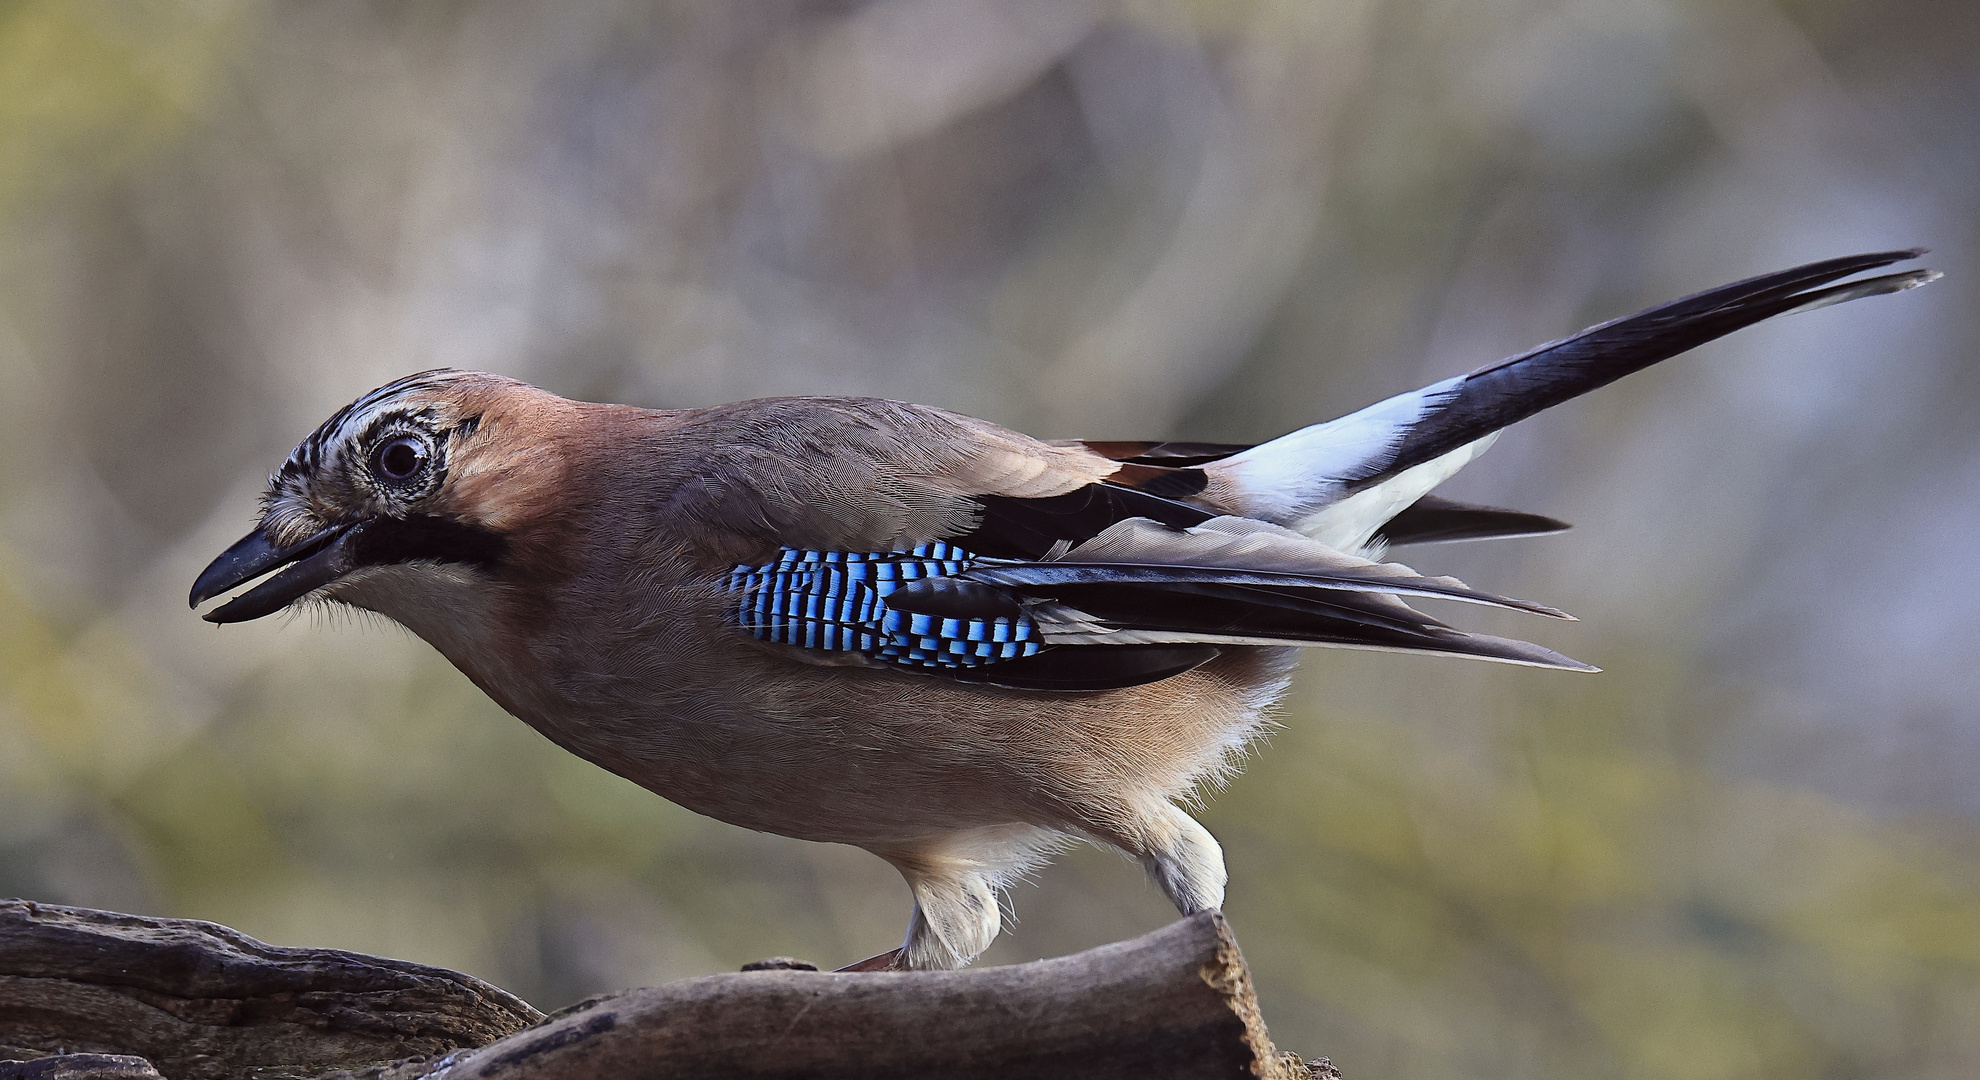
column 1751, row 848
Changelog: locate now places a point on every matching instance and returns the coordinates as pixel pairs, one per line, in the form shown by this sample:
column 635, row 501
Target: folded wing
column 1138, row 602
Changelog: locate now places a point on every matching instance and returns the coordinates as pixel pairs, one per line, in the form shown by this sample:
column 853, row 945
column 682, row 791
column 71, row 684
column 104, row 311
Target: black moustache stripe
column 390, row 541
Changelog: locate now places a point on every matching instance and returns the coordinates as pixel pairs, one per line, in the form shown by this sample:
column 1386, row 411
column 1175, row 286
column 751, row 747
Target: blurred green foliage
column 1720, row 858
column 91, row 87
column 1598, row 901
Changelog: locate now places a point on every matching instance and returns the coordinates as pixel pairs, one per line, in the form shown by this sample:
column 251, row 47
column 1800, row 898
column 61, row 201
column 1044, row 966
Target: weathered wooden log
column 1174, row 1003
column 202, row 1001
column 80, row 1067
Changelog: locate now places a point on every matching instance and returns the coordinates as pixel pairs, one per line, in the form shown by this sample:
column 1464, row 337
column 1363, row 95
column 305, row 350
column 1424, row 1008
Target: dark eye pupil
column 401, row 458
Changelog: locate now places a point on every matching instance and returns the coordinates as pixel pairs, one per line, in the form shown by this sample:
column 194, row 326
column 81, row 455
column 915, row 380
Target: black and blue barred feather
column 837, row 601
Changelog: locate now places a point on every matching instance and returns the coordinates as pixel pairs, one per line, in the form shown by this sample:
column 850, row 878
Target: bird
column 888, row 625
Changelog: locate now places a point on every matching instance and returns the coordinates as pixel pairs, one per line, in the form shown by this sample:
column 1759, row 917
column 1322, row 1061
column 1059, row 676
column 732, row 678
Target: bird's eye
column 398, row 460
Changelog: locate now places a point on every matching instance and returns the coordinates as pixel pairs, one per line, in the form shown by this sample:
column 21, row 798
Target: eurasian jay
column 893, row 626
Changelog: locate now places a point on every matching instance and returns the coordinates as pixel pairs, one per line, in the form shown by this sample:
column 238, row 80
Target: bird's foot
column 891, row 960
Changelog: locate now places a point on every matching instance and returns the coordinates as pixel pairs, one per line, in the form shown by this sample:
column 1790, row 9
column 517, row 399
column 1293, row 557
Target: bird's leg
column 963, row 922
column 955, row 918
column 955, row 878
column 1181, row 855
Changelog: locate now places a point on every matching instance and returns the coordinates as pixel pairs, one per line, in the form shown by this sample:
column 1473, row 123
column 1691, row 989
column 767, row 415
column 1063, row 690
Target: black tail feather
column 1511, row 390
column 1435, row 520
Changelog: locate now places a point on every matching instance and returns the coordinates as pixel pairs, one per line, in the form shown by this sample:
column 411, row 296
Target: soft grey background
column 1750, row 848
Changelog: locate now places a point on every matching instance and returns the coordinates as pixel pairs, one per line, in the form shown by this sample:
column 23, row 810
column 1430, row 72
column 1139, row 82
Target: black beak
column 317, row 561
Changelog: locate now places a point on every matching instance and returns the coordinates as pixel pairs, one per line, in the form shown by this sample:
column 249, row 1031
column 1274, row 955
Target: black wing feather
column 1014, row 528
column 1057, row 575
column 1174, row 455
column 1088, row 668
column 1248, row 605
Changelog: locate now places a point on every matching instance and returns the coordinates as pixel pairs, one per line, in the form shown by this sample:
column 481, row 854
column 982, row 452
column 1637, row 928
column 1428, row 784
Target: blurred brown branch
column 200, row 1000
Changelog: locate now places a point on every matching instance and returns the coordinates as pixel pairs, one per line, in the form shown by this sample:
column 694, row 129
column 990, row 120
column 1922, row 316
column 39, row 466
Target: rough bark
column 79, row 1067
column 200, row 1001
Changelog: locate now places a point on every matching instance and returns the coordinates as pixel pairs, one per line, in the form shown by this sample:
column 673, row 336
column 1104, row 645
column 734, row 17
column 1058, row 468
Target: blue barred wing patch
column 837, row 600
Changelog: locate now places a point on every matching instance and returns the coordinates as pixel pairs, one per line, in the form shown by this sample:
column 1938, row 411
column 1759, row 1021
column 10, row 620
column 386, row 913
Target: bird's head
column 431, row 471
